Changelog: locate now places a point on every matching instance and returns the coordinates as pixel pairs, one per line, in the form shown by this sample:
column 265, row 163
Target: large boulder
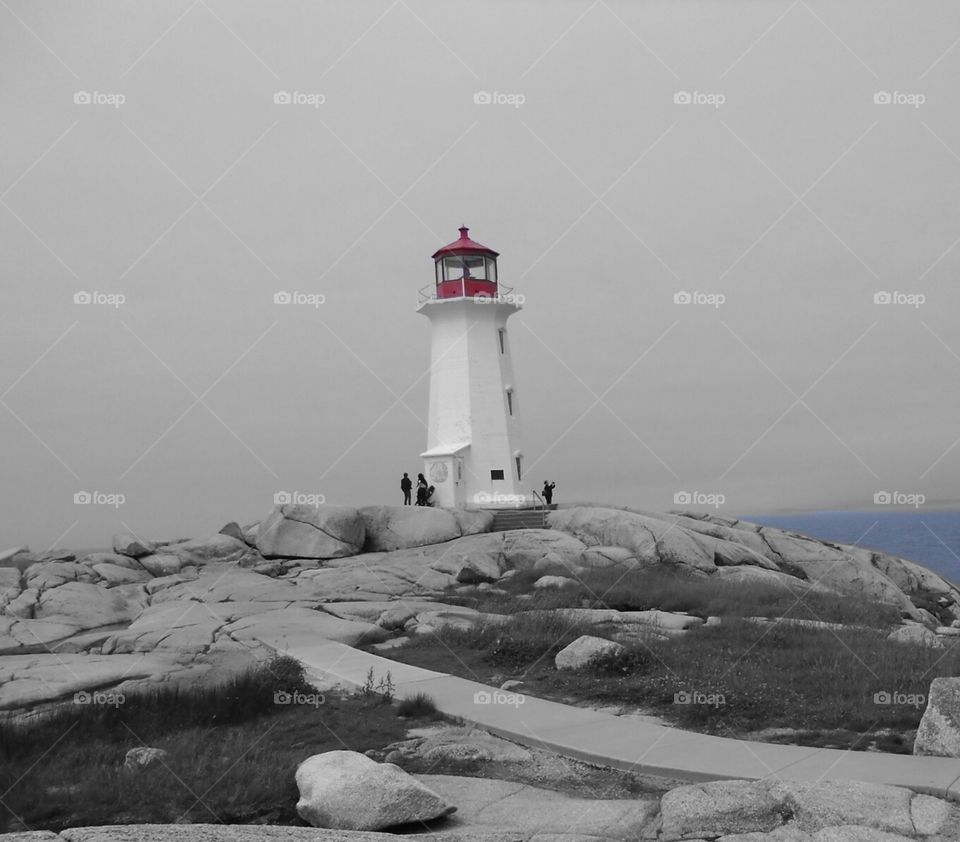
column 126, row 544
column 939, row 730
column 84, row 605
column 161, row 564
column 916, row 634
column 401, row 527
column 296, row 531
column 212, row 549
column 349, row 791
column 584, row 651
column 143, row 757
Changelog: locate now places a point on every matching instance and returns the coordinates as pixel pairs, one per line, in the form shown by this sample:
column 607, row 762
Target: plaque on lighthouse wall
column 438, row 472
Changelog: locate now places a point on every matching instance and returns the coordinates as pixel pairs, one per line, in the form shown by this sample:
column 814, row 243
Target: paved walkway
column 623, row 742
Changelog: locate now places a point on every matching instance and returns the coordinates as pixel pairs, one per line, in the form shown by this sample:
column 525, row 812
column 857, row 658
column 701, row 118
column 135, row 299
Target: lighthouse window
column 510, row 402
column 519, row 477
column 464, row 267
column 496, row 474
column 503, row 338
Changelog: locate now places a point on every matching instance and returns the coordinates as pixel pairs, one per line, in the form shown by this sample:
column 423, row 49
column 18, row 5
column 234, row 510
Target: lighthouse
column 474, row 457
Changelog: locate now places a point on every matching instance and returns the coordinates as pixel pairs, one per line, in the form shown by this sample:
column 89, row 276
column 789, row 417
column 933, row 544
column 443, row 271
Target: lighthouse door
column 459, row 486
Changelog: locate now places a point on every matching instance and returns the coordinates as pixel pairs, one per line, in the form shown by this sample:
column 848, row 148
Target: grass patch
column 732, row 680
column 670, row 588
column 232, row 753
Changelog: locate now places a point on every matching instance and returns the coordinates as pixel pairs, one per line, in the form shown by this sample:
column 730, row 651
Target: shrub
column 419, row 706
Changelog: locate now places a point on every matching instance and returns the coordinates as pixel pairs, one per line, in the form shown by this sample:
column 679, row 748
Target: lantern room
column 465, row 269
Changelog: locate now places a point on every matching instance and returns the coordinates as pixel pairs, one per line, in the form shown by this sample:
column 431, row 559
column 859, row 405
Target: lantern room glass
column 466, row 267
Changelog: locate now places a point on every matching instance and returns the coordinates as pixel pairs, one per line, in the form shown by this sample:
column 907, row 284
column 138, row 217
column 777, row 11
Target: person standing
column 548, row 492
column 405, row 485
column 421, row 490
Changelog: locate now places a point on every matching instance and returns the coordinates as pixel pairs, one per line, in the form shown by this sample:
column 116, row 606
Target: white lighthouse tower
column 474, row 456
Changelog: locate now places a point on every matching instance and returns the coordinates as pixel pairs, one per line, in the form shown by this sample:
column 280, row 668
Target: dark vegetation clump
column 232, row 751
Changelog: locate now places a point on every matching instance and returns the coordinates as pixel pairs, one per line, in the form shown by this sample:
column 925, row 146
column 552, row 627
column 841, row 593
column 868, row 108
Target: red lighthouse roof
column 464, row 246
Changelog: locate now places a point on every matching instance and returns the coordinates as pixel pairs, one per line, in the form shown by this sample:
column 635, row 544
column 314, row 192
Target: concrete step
column 519, row 519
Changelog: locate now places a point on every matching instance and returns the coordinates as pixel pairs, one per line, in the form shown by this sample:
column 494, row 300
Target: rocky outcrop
column 939, row 730
column 797, row 810
column 348, row 790
column 321, row 532
column 711, row 543
column 648, row 539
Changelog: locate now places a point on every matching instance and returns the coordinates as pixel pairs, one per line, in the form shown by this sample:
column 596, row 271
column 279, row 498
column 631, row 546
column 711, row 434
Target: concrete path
column 623, row 742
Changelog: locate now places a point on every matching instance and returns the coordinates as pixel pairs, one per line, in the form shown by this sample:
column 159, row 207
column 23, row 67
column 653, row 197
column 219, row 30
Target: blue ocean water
column 931, row 538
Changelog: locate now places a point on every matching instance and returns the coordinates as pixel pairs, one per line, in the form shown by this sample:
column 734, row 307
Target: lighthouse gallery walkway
column 623, row 742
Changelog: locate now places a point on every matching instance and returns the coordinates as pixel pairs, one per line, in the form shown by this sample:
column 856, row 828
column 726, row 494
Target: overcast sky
column 631, row 152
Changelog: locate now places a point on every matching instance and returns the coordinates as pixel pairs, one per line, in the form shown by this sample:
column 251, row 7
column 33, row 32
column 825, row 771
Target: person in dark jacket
column 421, row 490
column 405, row 485
column 548, row 492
